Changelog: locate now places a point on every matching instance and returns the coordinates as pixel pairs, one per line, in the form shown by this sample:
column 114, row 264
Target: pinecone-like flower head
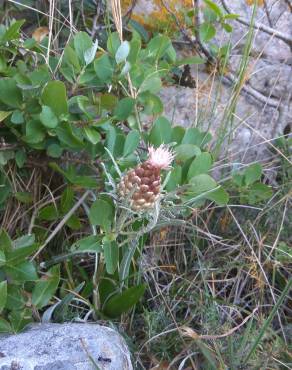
column 142, row 183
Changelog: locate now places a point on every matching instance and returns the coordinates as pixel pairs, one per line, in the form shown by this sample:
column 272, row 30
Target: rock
column 205, row 107
column 255, row 123
column 66, row 346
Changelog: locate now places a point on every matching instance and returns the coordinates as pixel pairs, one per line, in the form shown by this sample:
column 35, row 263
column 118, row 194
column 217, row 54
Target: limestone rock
column 255, row 123
column 64, row 347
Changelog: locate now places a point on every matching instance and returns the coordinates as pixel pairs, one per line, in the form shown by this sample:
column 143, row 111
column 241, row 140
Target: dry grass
column 213, row 280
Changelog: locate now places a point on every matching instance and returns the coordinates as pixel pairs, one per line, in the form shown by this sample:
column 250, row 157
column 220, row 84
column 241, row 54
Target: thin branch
column 272, row 102
column 183, row 30
column 262, row 27
column 197, row 32
column 62, row 223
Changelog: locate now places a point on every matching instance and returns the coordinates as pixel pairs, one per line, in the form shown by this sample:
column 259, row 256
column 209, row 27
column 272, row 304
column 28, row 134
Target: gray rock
column 255, row 123
column 64, row 347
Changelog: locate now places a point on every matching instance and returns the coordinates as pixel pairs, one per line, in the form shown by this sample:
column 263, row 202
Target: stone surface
column 268, row 71
column 64, row 347
column 205, row 108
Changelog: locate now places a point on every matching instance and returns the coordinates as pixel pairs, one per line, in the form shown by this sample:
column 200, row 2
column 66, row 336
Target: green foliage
column 248, row 185
column 120, row 303
column 20, row 279
column 91, row 112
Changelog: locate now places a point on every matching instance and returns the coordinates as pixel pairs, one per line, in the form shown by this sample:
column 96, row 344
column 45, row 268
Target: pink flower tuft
column 160, row 157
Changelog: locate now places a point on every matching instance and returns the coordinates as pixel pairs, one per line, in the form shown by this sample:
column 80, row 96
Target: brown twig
column 230, row 78
column 188, row 332
column 262, row 27
column 182, row 29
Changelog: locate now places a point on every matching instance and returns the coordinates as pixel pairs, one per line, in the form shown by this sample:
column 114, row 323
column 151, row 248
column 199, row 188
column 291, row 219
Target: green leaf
column 20, row 158
column 124, row 108
column 252, row 173
column 12, row 32
column 219, row 196
column 126, row 68
column 177, row 134
column 67, row 136
column 201, row 164
column 227, row 27
column 92, row 135
column 4, row 115
column 24, row 197
column 104, row 68
column 10, row 94
column 238, row 179
column 17, row 117
column 202, row 183
column 174, row 179
column 5, row 156
column 24, row 241
column 111, row 255
column 135, row 47
column 55, row 96
column 151, row 102
column 196, row 137
column 54, row 151
column 5, row 241
column 35, row 132
column 90, row 53
column 15, row 298
column 89, row 244
column 122, row 52
column 19, row 319
column 101, row 213
column 4, row 326
column 46, row 288
column 70, row 57
column 214, row 7
column 231, row 16
column 2, row 258
column 67, row 200
column 160, row 132
column 17, row 256
column 48, row 213
column 113, row 43
column 259, row 192
column 139, row 29
column 82, row 43
column 3, row 294
column 157, row 47
column 70, row 175
column 111, row 138
column 170, row 54
column 74, row 223
column 152, row 84
column 186, row 151
column 209, row 15
column 121, row 303
column 48, row 118
column 108, row 101
column 207, row 31
column 131, row 142
column 190, row 60
column 24, row 271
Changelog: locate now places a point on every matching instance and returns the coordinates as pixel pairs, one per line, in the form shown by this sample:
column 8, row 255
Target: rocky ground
column 263, row 110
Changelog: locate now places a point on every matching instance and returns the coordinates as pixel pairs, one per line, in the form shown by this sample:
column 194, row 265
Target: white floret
column 160, row 157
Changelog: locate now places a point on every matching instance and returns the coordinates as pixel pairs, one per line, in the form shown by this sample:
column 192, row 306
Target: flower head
column 160, row 157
